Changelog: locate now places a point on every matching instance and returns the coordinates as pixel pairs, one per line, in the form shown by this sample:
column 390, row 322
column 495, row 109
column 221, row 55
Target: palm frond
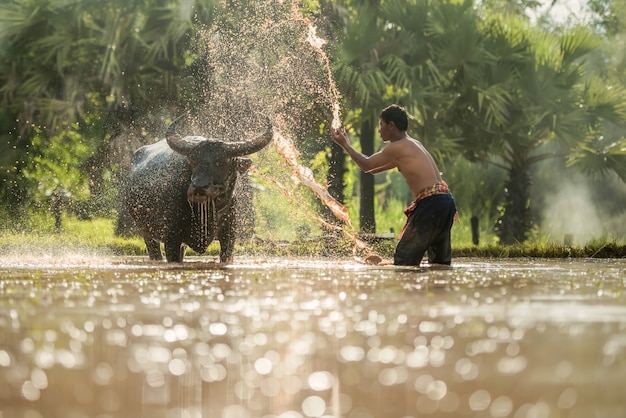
column 17, row 19
column 494, row 101
column 398, row 70
column 605, row 101
column 578, row 42
column 596, row 158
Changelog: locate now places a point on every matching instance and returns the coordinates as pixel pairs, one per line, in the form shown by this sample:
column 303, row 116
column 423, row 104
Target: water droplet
column 263, row 366
column 479, row 400
column 567, row 399
column 501, row 407
column 30, row 391
column 102, row 374
column 313, row 406
column 436, row 390
column 5, row 359
column 270, row 387
column 218, row 328
column 177, row 367
column 235, row 411
column 319, row 381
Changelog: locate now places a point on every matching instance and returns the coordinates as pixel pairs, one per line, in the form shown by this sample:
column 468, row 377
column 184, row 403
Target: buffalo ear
column 242, row 164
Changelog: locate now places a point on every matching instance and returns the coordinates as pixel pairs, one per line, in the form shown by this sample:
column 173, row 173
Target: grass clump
column 95, row 236
column 593, row 249
column 38, row 236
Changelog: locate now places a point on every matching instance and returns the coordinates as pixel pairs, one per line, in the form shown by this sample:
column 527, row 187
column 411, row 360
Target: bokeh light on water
column 311, row 338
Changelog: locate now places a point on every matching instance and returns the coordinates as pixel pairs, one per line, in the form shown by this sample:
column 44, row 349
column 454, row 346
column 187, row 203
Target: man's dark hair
column 397, row 115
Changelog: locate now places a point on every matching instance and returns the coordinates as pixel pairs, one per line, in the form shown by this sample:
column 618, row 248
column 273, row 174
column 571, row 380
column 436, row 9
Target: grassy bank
column 92, row 236
column 97, row 236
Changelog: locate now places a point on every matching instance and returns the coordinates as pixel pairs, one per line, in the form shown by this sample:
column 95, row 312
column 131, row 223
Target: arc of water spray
column 290, row 154
column 286, row 148
column 317, row 43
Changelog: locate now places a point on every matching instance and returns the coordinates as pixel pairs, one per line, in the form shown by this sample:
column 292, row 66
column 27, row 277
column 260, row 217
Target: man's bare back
column 414, row 162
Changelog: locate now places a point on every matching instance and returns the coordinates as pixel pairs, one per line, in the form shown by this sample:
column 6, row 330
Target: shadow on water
column 125, row 337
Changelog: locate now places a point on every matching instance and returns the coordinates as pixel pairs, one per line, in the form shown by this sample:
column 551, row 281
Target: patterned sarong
column 437, row 188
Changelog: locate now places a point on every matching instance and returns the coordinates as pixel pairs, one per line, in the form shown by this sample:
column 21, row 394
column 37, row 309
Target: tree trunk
column 515, row 223
column 474, row 222
column 367, row 219
column 336, row 172
column 334, row 179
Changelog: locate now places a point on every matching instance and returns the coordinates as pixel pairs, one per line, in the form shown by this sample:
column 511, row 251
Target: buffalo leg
column 174, row 251
column 226, row 251
column 154, row 248
column 227, row 241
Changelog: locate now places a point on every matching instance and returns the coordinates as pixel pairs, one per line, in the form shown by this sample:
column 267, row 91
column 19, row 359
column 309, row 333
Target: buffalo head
column 214, row 163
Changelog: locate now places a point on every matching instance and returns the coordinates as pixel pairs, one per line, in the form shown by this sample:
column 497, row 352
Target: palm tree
column 96, row 68
column 603, row 150
column 531, row 101
column 503, row 92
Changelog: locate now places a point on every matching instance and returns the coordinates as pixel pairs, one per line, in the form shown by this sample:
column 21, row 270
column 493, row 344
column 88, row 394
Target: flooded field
column 293, row 338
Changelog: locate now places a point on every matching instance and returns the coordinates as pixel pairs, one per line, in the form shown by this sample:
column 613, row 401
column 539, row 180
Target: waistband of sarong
column 440, row 187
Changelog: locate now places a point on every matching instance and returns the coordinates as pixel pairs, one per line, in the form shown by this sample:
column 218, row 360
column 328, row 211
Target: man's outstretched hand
column 340, row 136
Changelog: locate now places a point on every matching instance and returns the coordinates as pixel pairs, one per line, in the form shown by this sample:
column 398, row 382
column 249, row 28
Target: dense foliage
column 492, row 94
column 489, row 85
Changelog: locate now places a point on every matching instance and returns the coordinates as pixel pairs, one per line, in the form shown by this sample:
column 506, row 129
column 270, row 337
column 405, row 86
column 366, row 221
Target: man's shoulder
column 405, row 143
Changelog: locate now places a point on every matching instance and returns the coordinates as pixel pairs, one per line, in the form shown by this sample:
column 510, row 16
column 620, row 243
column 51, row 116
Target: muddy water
column 92, row 337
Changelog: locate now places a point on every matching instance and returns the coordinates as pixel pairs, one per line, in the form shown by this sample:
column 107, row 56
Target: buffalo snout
column 204, row 194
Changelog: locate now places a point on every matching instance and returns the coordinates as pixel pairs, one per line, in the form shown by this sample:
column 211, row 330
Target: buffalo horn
column 171, row 129
column 252, row 146
column 177, row 142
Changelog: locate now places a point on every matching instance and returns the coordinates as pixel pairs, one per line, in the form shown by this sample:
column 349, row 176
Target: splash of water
column 272, row 63
column 286, row 148
column 317, row 43
column 207, row 217
column 289, row 152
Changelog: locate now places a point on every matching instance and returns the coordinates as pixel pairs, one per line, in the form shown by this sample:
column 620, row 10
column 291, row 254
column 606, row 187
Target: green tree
column 604, row 148
column 533, row 100
column 487, row 83
column 91, row 69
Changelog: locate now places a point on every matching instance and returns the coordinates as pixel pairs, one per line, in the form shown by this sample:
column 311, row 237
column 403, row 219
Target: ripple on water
column 307, row 338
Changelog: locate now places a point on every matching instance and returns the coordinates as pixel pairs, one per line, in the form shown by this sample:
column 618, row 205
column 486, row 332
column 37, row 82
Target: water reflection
column 310, row 338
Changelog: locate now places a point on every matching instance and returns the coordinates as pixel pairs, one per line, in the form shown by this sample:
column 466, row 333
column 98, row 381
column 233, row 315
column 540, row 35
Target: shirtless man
column 430, row 216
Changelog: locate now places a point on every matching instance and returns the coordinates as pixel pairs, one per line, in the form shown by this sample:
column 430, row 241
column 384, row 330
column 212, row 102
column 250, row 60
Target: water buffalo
column 181, row 191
